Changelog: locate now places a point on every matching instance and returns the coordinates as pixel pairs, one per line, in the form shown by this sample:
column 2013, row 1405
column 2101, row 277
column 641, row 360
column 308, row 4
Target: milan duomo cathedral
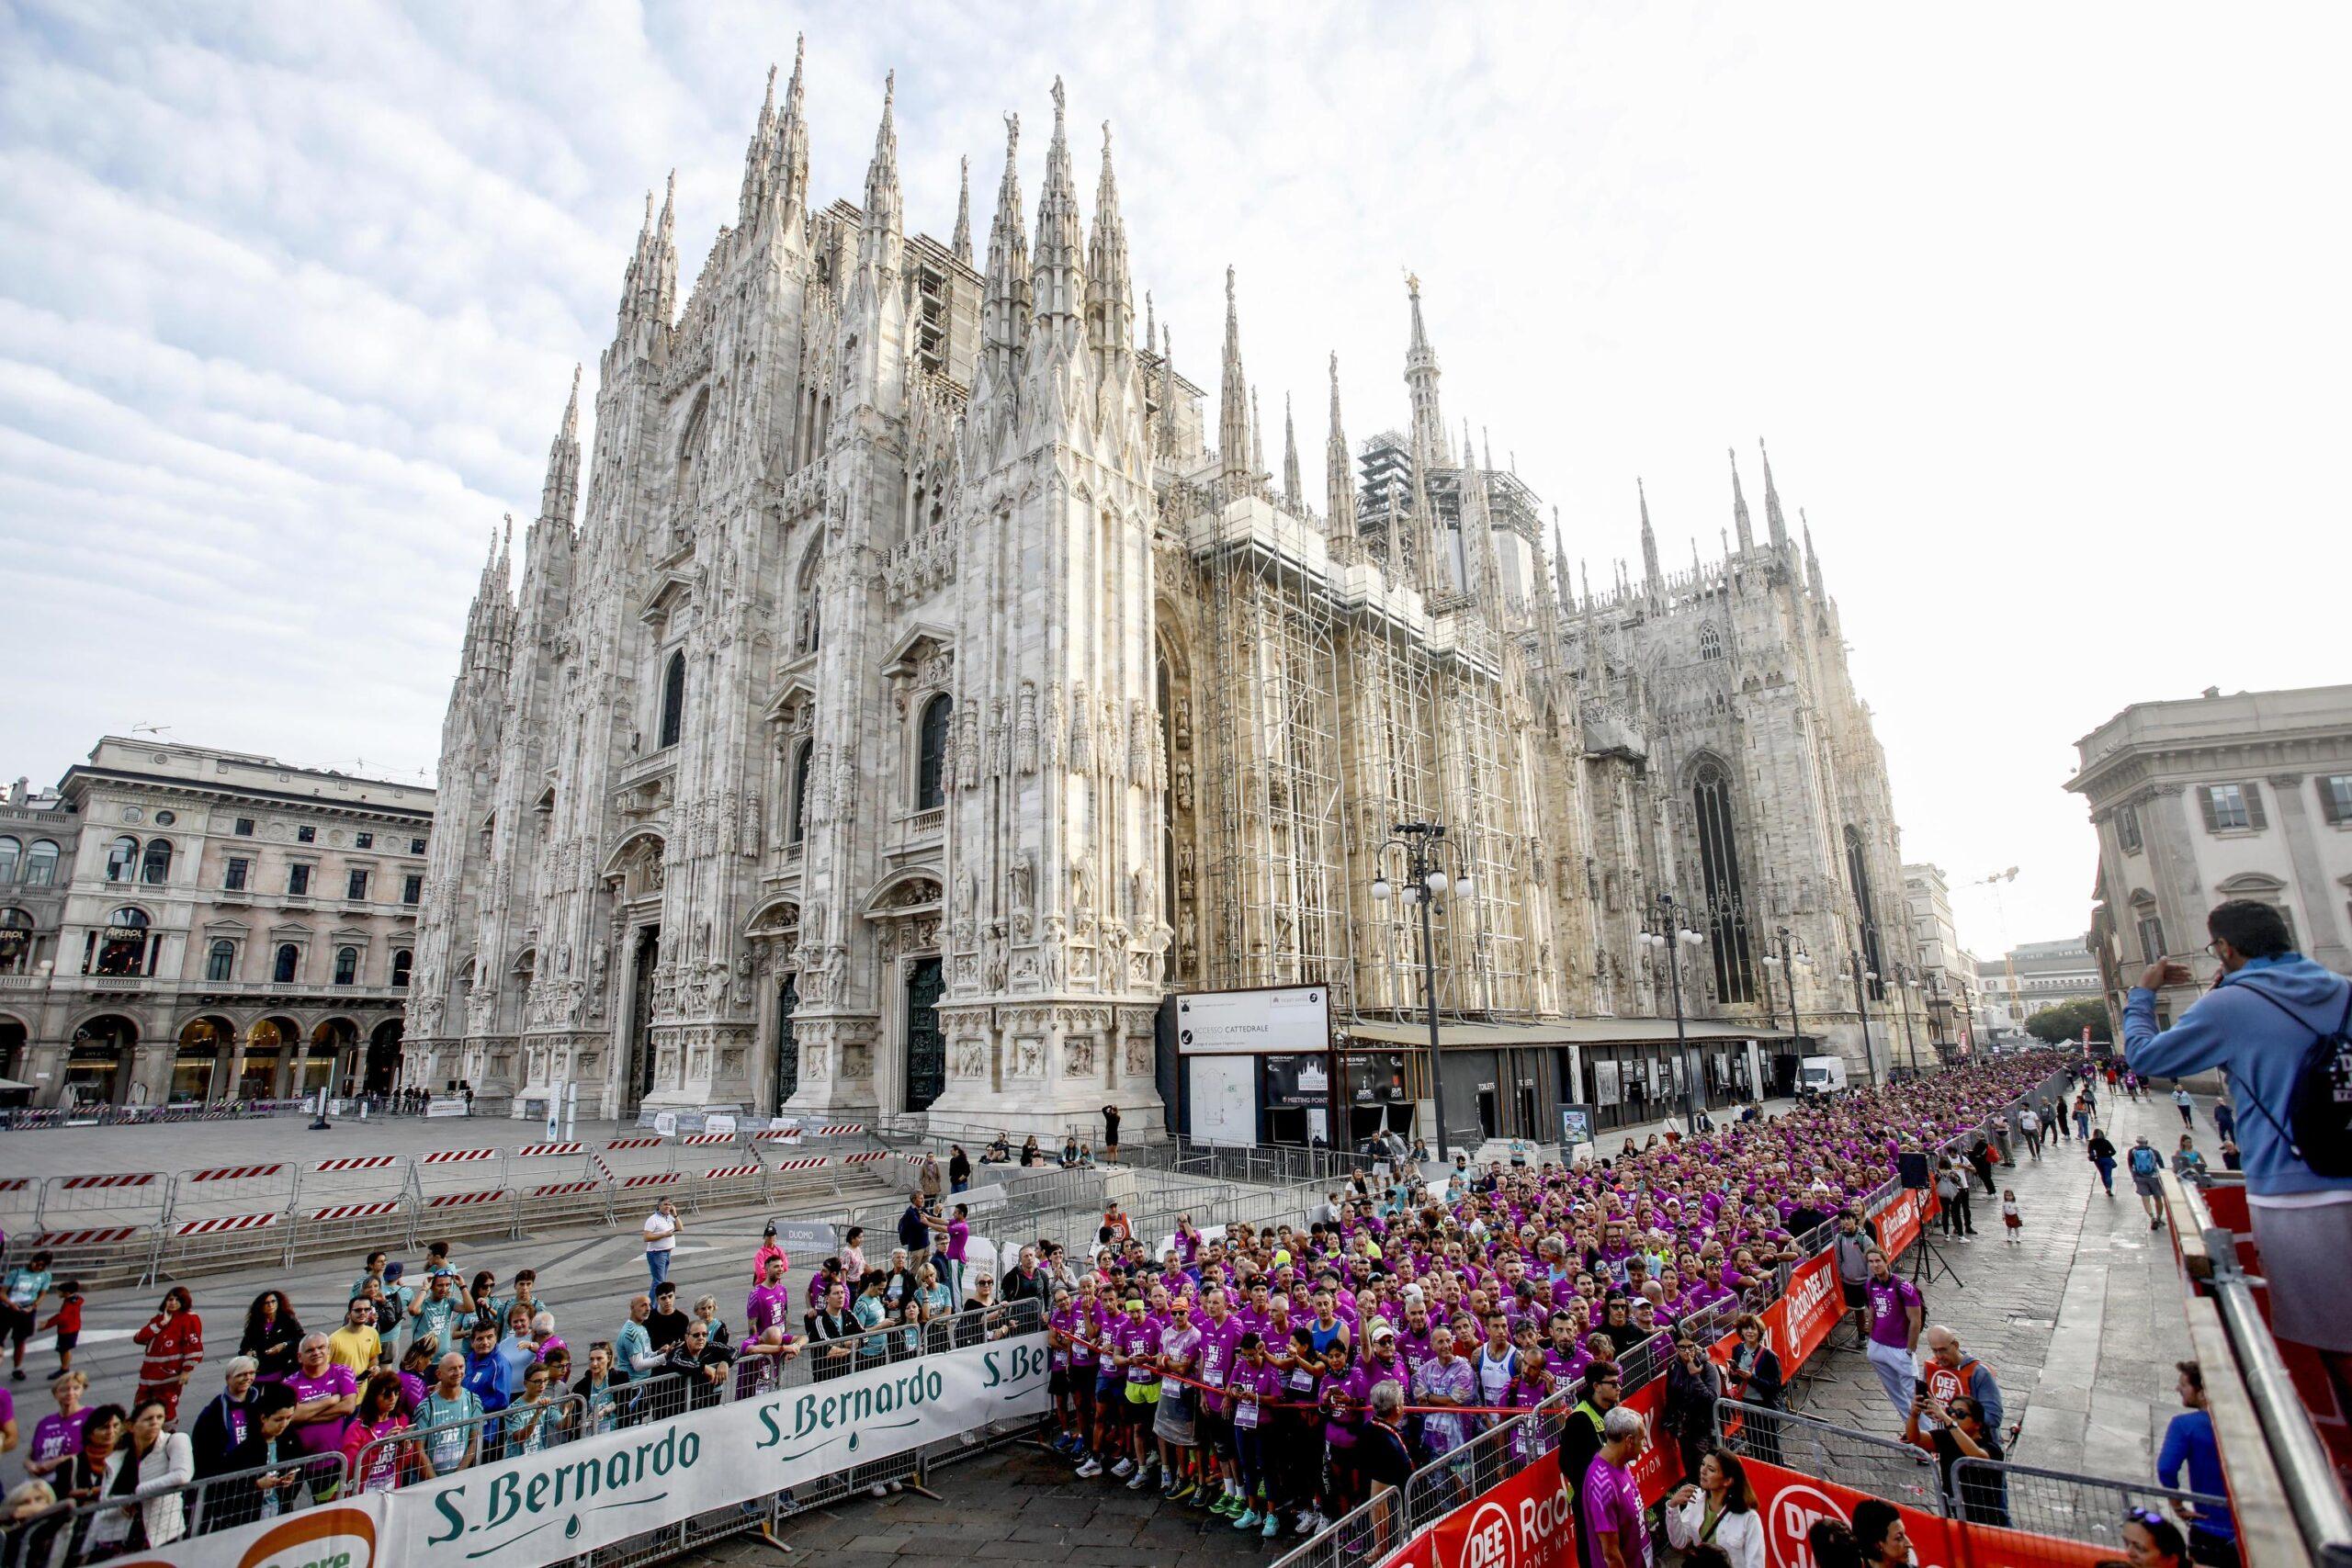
column 932, row 681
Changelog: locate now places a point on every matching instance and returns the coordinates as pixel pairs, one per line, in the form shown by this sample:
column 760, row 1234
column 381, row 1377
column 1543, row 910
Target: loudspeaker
column 1913, row 1167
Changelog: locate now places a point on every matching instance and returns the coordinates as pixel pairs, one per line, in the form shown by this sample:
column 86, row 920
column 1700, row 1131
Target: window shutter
column 2254, row 818
column 2329, row 811
column 2205, row 803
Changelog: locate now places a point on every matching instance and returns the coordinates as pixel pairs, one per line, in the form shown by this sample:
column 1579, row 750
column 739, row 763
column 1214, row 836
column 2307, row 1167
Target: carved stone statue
column 1024, row 731
column 1081, row 730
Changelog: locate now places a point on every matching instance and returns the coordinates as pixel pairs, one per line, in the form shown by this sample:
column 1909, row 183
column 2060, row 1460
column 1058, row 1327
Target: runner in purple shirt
column 1895, row 1311
column 1608, row 1503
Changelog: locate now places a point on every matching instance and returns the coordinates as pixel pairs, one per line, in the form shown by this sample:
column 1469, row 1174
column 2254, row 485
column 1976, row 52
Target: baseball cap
column 1381, row 1330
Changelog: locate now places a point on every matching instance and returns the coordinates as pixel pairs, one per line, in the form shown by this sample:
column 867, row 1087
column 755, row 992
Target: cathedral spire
column 1596, row 666
column 1110, row 292
column 1004, row 309
column 560, row 496
column 1291, row 497
column 1338, row 481
column 1652, row 578
column 1166, row 395
column 1421, row 380
column 1257, row 440
column 1233, row 402
column 880, row 232
column 1058, row 259
column 963, row 242
column 792, row 139
column 757, row 157
column 1812, row 561
column 1772, row 517
column 663, row 256
column 1740, row 509
column 1561, row 587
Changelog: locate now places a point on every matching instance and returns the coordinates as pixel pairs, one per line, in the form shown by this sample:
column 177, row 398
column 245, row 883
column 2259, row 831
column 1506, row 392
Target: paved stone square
column 2081, row 1323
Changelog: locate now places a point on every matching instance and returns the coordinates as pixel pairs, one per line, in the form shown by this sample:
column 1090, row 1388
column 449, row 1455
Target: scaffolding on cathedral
column 1277, row 869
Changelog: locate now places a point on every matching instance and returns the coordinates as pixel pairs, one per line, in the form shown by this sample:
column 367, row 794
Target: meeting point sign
column 559, row 1503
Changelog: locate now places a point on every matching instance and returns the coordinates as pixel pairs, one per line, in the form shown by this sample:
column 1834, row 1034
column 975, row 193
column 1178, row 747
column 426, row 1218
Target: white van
column 1821, row 1075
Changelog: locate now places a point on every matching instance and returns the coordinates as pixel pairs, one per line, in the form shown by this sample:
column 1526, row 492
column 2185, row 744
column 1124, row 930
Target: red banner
column 1801, row 1320
column 1791, row 1502
column 1900, row 1223
column 1525, row 1522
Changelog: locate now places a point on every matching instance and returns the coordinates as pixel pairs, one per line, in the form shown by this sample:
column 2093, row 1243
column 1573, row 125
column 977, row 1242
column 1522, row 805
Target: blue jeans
column 657, row 1268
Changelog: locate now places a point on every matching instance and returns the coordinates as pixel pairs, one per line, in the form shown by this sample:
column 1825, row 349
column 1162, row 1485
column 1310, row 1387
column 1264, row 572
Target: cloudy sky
column 2042, row 311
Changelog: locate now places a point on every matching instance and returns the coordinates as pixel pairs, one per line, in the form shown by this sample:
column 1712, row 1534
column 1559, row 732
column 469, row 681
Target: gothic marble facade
column 922, row 687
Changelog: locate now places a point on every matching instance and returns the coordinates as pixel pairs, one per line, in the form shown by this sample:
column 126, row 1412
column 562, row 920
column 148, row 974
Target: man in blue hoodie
column 2302, row 1221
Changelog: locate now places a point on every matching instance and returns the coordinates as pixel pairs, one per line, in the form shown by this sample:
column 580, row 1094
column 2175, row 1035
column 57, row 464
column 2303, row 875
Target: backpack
column 2318, row 1128
column 2144, row 1161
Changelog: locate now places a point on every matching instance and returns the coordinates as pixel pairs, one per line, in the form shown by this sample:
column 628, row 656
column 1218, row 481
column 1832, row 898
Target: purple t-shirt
column 1890, row 1309
column 320, row 1437
column 56, row 1436
column 959, row 1235
column 1610, row 1502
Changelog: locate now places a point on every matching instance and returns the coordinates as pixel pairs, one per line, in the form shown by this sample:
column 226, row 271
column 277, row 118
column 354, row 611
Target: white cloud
column 2044, row 321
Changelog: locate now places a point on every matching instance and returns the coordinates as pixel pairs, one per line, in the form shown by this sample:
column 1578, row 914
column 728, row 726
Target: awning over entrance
column 1558, row 1031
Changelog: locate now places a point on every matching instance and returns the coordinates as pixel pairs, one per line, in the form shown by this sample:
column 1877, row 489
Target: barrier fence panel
column 462, row 1191
column 2071, row 1507
column 350, row 1200
column 1883, row 1467
column 213, row 1213
column 559, row 1183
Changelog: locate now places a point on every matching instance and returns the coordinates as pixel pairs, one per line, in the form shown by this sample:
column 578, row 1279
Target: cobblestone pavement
column 1016, row 1504
column 2080, row 1324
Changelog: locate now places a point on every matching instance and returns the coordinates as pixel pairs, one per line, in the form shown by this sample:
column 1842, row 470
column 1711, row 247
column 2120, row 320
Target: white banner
column 564, row 1502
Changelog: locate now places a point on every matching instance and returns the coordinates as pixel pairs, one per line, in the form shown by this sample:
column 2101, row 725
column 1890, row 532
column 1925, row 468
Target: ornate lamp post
column 1863, row 1005
column 1674, row 935
column 1910, row 1045
column 1791, row 965
column 1426, row 850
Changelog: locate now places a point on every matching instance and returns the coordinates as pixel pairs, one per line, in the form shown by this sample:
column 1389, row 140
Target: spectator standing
column 2030, row 1123
column 2190, row 1447
column 356, row 1345
column 1952, row 1374
column 660, row 1231
column 273, row 1336
column 1716, row 1507
column 1609, row 1505
column 2225, row 1118
column 21, row 1289
column 959, row 1169
column 1853, row 1249
column 449, row 1419
column 67, row 1322
column 58, row 1437
column 2187, row 1107
column 1111, row 1134
column 2259, row 1026
column 151, row 1464
column 174, row 1342
column 226, row 1419
column 1895, row 1311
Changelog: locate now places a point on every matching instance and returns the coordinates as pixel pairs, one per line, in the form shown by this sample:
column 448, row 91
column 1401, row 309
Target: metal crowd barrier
column 121, row 1228
column 27, row 1119
column 68, row 1536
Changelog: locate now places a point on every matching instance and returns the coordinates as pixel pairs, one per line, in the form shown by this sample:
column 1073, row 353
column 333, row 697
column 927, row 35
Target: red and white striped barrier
column 356, row 1210
column 455, row 1156
column 562, row 1189
column 635, row 1143
column 868, row 1157
column 221, row 1223
column 91, row 1235
column 731, row 1172
column 817, row 1163
column 650, row 1179
column 119, row 1178
column 358, row 1162
column 532, row 1151
column 464, row 1199
column 696, row 1140
column 232, row 1172
column 778, row 1136
column 839, row 1130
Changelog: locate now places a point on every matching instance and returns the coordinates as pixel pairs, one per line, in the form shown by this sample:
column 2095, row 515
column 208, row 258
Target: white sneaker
column 1124, row 1469
column 1092, row 1467
column 1141, row 1479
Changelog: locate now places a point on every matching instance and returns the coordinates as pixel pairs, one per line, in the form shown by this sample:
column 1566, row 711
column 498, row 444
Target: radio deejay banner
column 579, row 1497
column 1522, row 1523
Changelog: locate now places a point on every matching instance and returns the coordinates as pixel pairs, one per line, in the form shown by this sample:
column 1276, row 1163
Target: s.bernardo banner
column 561, row 1503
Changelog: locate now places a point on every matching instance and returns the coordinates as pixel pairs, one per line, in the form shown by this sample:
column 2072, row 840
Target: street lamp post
column 1910, row 1045
column 1426, row 849
column 1791, row 965
column 1677, row 936
column 1863, row 1005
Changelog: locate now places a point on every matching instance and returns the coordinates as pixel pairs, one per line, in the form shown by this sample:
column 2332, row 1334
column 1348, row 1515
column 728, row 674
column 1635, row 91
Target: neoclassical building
column 183, row 924
column 930, row 680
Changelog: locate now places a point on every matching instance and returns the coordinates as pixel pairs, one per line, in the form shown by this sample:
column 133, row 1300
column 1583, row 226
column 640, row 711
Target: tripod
column 1929, row 1260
